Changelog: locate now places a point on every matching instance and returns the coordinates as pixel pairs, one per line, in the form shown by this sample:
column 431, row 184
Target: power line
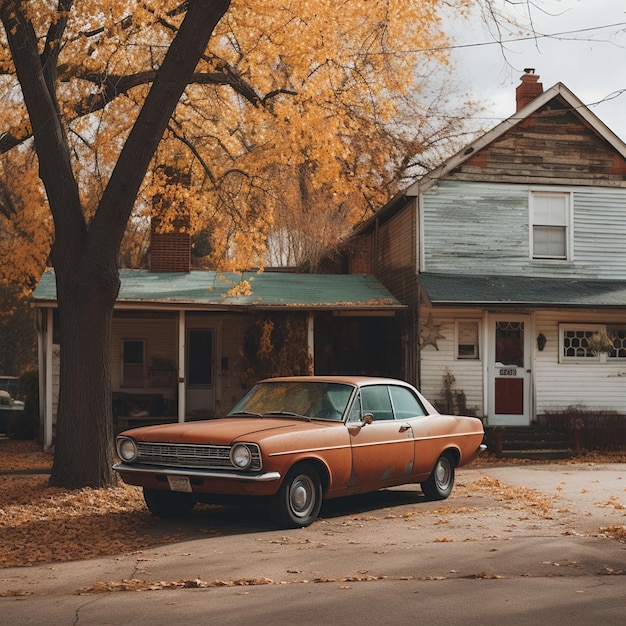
column 533, row 37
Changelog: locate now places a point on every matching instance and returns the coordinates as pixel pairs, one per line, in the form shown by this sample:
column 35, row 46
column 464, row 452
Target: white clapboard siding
column 468, row 373
column 591, row 385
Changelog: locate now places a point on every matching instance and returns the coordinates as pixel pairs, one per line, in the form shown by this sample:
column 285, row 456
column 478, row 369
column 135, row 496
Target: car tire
column 168, row 504
column 299, row 499
column 439, row 484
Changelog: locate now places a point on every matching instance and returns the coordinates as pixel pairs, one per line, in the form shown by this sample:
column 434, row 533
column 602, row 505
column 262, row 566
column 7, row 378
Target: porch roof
column 483, row 290
column 215, row 291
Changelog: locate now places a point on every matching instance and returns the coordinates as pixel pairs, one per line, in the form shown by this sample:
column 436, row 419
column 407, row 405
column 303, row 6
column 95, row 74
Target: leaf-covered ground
column 41, row 524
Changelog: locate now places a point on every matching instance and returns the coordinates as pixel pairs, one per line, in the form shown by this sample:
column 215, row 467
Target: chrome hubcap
column 301, row 496
column 442, row 473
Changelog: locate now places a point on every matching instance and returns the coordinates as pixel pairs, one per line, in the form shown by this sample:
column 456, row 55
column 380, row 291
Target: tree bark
column 85, row 256
column 84, row 431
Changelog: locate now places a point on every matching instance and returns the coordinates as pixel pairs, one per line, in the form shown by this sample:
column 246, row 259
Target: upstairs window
column 550, row 220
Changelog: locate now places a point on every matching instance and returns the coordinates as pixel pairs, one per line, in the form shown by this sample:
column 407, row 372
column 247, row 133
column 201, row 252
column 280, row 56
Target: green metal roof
column 207, row 289
column 460, row 289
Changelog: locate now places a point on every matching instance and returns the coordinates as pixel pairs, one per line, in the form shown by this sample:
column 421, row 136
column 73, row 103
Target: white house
column 511, row 257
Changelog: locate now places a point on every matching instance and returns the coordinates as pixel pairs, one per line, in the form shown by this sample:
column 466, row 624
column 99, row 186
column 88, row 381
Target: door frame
column 493, row 371
column 201, row 397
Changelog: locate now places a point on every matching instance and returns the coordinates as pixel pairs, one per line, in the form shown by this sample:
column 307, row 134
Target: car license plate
column 179, row 483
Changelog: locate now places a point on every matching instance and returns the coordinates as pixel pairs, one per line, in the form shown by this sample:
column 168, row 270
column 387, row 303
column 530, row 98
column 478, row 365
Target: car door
column 382, row 446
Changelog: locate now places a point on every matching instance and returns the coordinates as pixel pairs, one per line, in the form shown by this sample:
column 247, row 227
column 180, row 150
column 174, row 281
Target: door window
column 510, row 343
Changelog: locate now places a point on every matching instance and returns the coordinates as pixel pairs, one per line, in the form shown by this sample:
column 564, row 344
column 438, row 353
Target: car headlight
column 127, row 449
column 241, row 456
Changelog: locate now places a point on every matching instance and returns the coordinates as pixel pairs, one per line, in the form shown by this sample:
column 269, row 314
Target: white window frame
column 593, row 328
column 459, row 340
column 615, row 328
column 568, row 225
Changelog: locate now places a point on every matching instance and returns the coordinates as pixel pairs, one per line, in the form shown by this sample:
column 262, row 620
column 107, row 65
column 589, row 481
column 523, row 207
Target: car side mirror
column 368, row 418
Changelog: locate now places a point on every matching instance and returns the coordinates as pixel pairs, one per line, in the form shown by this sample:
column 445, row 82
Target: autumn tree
column 85, row 252
column 269, row 107
column 25, row 237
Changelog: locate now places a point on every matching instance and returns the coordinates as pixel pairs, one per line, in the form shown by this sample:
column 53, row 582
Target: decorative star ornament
column 430, row 333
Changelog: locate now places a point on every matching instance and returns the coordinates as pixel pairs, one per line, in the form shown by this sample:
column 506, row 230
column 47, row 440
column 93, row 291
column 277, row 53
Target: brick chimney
column 170, row 251
column 529, row 88
column 170, row 243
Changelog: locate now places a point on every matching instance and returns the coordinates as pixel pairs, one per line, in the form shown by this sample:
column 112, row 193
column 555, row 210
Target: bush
column 598, row 430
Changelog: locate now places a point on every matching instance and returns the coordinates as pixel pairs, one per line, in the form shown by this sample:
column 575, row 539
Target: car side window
column 405, row 403
column 375, row 400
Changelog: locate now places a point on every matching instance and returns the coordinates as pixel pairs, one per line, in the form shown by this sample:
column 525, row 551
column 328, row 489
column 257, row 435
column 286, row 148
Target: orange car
column 297, row 441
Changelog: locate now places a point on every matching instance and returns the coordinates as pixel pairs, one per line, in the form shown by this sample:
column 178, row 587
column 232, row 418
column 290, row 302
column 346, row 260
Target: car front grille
column 190, row 455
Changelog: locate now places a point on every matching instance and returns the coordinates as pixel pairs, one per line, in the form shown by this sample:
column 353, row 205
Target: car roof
column 357, row 380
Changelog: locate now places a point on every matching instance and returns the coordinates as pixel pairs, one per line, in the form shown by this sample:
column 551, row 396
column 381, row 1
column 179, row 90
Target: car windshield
column 312, row 399
column 9, row 384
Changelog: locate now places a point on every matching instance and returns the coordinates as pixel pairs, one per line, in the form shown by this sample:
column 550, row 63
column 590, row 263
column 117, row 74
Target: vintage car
column 296, row 441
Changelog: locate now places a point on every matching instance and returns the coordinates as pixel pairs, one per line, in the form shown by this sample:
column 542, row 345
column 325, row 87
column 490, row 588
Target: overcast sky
column 587, row 53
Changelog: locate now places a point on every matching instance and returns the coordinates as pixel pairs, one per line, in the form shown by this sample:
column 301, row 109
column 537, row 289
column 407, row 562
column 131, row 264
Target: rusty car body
column 299, row 440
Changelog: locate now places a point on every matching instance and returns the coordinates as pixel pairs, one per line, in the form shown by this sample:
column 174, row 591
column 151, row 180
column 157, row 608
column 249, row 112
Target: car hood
column 225, row 430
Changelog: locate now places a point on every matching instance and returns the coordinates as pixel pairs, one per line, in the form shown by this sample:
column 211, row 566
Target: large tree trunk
column 84, row 428
column 85, row 256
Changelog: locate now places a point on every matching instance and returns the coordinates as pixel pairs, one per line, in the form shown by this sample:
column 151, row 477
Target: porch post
column 311, row 341
column 47, row 365
column 181, row 365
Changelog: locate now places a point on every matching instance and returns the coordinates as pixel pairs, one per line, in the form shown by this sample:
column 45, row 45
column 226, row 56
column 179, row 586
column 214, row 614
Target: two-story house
column 512, row 258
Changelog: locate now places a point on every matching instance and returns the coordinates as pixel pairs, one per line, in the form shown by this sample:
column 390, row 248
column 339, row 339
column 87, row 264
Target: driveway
column 521, row 544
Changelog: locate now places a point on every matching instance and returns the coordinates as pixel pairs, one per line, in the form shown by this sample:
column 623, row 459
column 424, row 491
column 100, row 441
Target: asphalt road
column 512, row 545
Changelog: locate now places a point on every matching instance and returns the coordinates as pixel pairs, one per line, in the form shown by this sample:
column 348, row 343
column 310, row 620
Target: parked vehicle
column 297, row 441
column 9, row 386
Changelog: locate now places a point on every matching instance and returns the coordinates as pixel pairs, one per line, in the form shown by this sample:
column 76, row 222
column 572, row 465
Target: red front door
column 509, row 370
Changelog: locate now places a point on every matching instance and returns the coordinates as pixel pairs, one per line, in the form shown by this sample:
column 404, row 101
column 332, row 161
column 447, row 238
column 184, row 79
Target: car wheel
column 299, row 498
column 168, row 504
column 441, row 480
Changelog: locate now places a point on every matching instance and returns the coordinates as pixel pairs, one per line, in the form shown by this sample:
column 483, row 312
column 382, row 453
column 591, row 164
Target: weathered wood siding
column 395, row 265
column 483, row 228
column 594, row 385
column 359, row 255
column 396, row 252
column 551, row 146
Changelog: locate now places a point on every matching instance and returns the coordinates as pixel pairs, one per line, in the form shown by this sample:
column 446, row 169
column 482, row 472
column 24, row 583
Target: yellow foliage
column 300, row 120
column 25, row 228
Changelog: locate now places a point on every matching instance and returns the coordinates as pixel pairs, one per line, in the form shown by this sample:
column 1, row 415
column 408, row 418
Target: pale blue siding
column 483, row 228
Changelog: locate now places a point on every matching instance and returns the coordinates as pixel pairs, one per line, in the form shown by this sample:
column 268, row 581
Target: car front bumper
column 142, row 469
